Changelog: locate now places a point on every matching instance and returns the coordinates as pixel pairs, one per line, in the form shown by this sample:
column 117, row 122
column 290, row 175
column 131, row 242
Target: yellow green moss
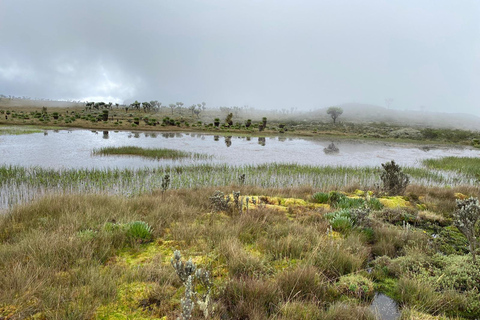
column 359, row 193
column 460, row 196
column 7, row 311
column 147, row 252
column 394, row 202
column 126, row 306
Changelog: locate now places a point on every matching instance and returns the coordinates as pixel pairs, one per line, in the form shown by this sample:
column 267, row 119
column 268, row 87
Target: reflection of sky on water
column 73, row 148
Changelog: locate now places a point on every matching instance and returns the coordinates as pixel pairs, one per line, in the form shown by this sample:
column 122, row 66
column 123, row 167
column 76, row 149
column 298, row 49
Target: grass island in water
column 149, row 153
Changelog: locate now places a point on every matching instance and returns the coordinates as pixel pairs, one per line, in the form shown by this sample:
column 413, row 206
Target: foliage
column 466, row 218
column 356, row 286
column 360, row 216
column 321, row 197
column 394, row 180
column 340, row 220
column 220, row 202
column 139, row 231
column 334, row 112
column 191, row 277
column 165, row 182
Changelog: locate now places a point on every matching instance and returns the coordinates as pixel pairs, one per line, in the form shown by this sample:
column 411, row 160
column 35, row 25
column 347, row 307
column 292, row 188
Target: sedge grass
column 464, row 165
column 22, row 184
column 17, row 130
column 162, row 153
column 64, row 258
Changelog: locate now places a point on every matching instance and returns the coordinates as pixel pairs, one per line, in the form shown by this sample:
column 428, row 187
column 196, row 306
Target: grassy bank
column 148, row 153
column 108, row 257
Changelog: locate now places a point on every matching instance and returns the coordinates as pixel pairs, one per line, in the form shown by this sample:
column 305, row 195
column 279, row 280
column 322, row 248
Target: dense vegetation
column 274, row 253
column 276, row 241
column 224, row 119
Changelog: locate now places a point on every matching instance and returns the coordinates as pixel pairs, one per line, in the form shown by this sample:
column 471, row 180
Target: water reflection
column 261, row 141
column 73, row 150
column 168, row 135
column 228, row 141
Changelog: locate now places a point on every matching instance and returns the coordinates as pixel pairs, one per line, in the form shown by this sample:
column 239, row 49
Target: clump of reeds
column 149, row 153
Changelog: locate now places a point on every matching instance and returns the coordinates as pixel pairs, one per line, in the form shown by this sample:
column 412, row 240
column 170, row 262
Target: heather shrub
column 394, row 180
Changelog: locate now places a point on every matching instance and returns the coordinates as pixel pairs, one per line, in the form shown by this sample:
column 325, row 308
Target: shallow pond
column 73, row 149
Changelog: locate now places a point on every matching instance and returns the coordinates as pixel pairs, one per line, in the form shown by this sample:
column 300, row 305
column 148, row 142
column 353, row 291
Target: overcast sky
column 265, row 54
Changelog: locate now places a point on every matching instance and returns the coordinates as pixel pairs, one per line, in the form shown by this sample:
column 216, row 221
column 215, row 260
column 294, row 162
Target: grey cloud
column 267, row 54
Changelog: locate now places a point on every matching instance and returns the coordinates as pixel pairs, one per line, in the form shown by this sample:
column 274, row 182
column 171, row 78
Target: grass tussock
column 84, row 256
column 148, row 153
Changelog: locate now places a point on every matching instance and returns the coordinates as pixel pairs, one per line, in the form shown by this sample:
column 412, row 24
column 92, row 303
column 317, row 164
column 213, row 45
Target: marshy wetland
column 281, row 227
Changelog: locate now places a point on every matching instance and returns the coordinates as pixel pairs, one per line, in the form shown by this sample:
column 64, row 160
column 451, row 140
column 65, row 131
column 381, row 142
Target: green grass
column 17, row 130
column 464, row 165
column 149, row 153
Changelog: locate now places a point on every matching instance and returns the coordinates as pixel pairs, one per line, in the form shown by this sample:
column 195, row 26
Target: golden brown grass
column 64, row 263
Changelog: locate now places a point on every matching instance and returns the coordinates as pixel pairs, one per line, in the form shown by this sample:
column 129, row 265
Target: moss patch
column 394, row 202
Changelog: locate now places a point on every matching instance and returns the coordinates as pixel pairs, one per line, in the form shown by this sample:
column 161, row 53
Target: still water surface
column 73, row 149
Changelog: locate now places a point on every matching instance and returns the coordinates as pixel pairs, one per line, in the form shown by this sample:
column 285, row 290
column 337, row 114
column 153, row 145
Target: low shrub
column 341, row 220
column 394, row 180
column 356, row 286
column 321, row 197
column 139, row 231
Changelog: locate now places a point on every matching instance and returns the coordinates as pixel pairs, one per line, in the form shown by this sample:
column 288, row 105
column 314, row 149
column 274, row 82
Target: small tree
column 335, row 112
column 228, row 119
column 394, row 180
column 172, row 106
column 466, row 218
column 200, row 107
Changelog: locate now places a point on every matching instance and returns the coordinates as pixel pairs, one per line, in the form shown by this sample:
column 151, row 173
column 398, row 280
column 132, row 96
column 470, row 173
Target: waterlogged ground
column 70, row 149
column 36, row 164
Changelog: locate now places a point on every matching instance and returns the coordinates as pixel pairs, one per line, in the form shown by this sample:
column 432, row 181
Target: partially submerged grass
column 463, row 165
column 20, row 184
column 148, row 153
column 16, row 130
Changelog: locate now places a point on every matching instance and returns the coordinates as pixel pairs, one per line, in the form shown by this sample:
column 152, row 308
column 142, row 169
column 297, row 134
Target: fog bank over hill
column 365, row 113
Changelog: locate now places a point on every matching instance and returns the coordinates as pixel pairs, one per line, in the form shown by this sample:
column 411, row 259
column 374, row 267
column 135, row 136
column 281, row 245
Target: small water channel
column 384, row 307
column 73, row 149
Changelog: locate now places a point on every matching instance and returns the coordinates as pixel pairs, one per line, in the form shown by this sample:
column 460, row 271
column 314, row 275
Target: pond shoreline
column 223, row 132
